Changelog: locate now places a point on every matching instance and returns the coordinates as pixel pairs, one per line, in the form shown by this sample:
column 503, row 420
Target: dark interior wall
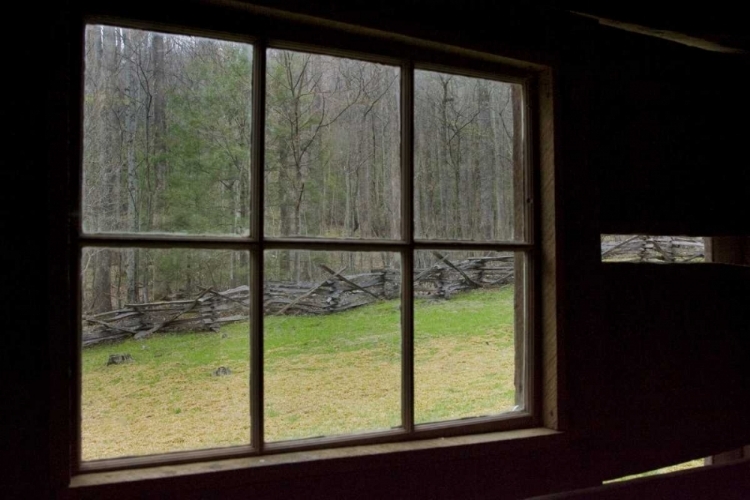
column 653, row 358
column 671, row 342
column 25, row 252
column 675, row 355
column 671, row 161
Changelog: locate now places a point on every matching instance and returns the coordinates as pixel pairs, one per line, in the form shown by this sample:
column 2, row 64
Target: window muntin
column 257, row 243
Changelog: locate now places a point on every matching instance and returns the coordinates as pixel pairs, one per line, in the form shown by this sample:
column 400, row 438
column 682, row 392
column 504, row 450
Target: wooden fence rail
column 210, row 308
column 658, row 249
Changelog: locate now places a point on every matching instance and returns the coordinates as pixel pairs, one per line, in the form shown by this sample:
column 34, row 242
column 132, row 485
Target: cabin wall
column 652, row 359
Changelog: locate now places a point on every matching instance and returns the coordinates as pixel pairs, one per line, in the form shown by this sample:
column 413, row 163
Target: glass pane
column 468, row 158
column 468, row 334
column 166, row 133
column 332, row 343
column 165, row 356
column 332, row 147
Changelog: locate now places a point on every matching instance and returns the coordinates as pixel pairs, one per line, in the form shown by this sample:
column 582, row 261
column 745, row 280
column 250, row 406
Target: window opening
column 283, row 250
column 692, row 464
column 653, row 249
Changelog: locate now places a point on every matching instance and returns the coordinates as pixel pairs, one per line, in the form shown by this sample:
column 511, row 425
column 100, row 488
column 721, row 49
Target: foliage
column 167, row 148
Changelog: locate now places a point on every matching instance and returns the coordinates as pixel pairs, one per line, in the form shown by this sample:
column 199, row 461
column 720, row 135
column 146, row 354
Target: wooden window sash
column 256, row 243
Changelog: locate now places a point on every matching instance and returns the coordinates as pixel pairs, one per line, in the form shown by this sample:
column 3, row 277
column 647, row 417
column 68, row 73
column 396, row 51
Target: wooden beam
column 305, row 295
column 164, row 323
column 455, row 268
column 342, row 278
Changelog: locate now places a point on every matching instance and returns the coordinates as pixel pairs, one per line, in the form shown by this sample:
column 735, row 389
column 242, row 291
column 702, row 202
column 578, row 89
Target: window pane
column 332, row 147
column 166, row 133
column 332, row 343
column 467, row 323
column 165, row 357
column 468, row 158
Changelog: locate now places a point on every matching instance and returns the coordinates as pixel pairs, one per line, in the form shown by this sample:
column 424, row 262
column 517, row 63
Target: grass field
column 324, row 375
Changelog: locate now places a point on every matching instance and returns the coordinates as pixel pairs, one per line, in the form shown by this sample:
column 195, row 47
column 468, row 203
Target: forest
column 167, row 149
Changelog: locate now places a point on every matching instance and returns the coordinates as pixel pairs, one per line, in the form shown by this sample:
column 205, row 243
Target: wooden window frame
column 537, row 246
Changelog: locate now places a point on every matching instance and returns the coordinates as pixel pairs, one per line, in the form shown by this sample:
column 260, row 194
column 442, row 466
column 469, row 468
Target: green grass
column 324, row 375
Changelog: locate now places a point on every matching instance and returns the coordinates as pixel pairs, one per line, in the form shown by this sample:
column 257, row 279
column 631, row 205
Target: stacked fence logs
column 209, row 308
column 656, row 249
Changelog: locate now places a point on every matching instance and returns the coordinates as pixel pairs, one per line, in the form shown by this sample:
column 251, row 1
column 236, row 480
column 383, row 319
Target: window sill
column 322, row 461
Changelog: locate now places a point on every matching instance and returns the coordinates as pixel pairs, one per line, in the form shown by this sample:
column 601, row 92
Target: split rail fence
column 656, row 249
column 210, row 308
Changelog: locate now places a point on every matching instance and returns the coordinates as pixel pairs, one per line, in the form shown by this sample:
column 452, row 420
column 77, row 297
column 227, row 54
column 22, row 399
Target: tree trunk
column 443, row 229
column 131, row 91
column 160, row 128
column 102, row 289
column 488, row 168
column 102, row 285
column 518, row 198
column 395, row 174
column 363, row 180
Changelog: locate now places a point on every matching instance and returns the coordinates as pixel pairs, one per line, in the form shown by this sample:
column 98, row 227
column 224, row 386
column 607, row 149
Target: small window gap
column 692, row 464
column 653, row 249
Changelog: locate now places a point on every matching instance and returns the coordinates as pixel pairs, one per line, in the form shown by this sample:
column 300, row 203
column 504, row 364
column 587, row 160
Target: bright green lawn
column 324, row 375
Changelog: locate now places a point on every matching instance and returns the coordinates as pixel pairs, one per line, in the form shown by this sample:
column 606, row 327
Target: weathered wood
column 338, row 275
column 100, row 315
column 125, row 315
column 313, row 290
column 193, row 303
column 607, row 252
column 646, row 248
column 111, row 327
column 426, row 272
column 454, row 267
column 228, row 295
column 230, row 319
column 157, row 304
column 212, row 308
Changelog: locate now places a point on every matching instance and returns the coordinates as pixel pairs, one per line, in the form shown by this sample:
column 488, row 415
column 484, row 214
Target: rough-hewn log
column 310, row 292
column 155, row 328
column 211, row 308
column 646, row 248
column 455, row 268
column 337, row 275
column 111, row 326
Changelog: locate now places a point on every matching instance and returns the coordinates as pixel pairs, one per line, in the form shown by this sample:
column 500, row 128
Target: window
column 284, row 247
column 654, row 249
